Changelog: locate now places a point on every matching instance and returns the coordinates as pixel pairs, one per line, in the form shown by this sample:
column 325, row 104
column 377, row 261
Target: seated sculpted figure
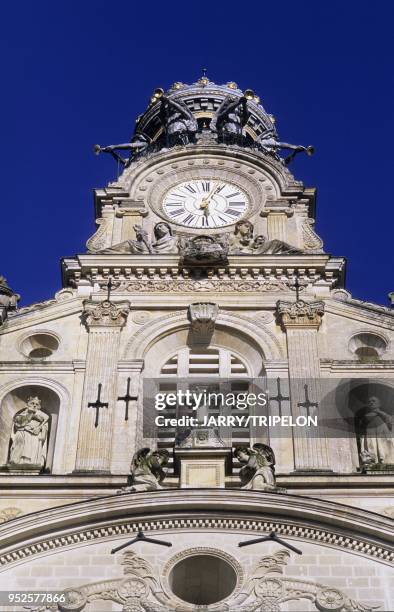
column 147, row 471
column 244, row 241
column 29, row 437
column 258, row 471
column 375, row 431
column 138, row 246
column 165, row 241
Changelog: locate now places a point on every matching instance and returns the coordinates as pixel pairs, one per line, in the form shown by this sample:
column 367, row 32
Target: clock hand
column 209, row 196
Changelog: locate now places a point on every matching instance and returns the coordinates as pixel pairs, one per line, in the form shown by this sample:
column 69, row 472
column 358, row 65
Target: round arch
column 236, row 326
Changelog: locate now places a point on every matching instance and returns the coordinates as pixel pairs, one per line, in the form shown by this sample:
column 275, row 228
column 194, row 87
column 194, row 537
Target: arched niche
column 13, row 403
column 351, row 397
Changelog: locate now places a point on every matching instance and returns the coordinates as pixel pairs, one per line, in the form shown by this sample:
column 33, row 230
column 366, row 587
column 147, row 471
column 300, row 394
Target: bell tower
column 203, row 401
column 205, row 210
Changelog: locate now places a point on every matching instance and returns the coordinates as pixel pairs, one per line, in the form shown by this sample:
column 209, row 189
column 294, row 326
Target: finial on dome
column 203, row 80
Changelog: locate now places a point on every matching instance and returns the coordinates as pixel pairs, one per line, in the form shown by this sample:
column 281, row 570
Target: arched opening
column 231, row 363
column 367, row 347
column 39, row 346
column 202, row 579
column 28, row 438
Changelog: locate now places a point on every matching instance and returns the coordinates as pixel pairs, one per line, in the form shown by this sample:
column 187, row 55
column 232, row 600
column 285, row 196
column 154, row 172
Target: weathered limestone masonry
column 104, row 322
column 205, row 273
column 301, row 322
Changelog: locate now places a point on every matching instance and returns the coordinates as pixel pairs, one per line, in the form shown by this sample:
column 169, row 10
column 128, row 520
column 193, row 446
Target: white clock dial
column 205, row 203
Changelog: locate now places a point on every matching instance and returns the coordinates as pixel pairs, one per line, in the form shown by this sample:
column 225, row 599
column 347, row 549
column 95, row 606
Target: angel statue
column 147, row 471
column 258, row 471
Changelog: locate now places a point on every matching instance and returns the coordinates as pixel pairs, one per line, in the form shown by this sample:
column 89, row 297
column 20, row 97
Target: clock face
column 205, row 203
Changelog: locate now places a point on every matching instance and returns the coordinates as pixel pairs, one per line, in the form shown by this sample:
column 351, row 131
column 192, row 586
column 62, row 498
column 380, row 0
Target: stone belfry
column 205, row 274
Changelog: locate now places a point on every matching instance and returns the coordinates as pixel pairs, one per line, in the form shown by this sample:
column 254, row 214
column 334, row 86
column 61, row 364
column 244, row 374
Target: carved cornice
column 105, row 313
column 312, row 520
column 300, row 313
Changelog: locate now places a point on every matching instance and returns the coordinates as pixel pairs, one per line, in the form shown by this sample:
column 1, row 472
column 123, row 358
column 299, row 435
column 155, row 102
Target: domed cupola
column 203, row 99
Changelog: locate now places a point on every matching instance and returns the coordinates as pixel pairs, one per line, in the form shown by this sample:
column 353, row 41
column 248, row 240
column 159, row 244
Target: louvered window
column 203, row 364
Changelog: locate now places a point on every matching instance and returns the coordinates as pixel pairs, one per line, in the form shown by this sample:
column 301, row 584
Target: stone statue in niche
column 230, row 118
column 375, row 431
column 244, row 241
column 29, row 437
column 179, row 123
column 138, row 143
column 147, row 471
column 258, row 471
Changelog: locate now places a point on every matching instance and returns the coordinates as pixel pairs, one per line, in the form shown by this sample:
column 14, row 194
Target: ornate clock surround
column 153, row 183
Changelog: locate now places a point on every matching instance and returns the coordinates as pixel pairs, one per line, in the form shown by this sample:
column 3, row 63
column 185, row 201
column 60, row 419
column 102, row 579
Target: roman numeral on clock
column 206, row 186
column 188, row 219
column 233, row 212
column 232, row 195
column 176, row 213
column 190, row 188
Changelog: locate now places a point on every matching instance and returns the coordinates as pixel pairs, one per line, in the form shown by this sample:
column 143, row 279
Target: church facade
column 202, row 416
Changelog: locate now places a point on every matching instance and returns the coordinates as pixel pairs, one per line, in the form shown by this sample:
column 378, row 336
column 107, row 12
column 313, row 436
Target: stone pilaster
column 104, row 322
column 127, row 433
column 301, row 321
column 277, row 221
column 131, row 216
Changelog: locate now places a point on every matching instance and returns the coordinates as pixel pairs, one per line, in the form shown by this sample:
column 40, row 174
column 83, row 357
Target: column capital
column 105, row 313
column 300, row 314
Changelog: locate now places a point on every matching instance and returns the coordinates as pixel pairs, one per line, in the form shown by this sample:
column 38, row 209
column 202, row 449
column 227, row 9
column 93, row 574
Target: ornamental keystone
column 202, row 317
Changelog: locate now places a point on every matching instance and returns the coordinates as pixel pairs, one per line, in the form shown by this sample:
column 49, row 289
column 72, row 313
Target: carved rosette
column 300, row 313
column 202, row 317
column 105, row 313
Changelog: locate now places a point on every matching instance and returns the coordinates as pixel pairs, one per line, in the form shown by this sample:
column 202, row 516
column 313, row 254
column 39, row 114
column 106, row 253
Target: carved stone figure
column 165, row 241
column 269, row 144
column 204, row 250
column 29, row 437
column 138, row 246
column 258, row 471
column 147, row 471
column 243, row 241
column 230, row 118
column 138, row 143
column 374, row 428
column 178, row 121
column 8, row 299
column 262, row 246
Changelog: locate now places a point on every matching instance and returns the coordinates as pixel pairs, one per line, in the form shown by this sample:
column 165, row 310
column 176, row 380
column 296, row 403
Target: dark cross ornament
column 109, row 287
column 98, row 404
column 307, row 404
column 272, row 537
column 140, row 537
column 279, row 397
column 297, row 288
column 127, row 398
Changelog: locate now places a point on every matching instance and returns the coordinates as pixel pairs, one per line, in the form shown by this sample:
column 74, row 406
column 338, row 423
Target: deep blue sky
column 78, row 73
